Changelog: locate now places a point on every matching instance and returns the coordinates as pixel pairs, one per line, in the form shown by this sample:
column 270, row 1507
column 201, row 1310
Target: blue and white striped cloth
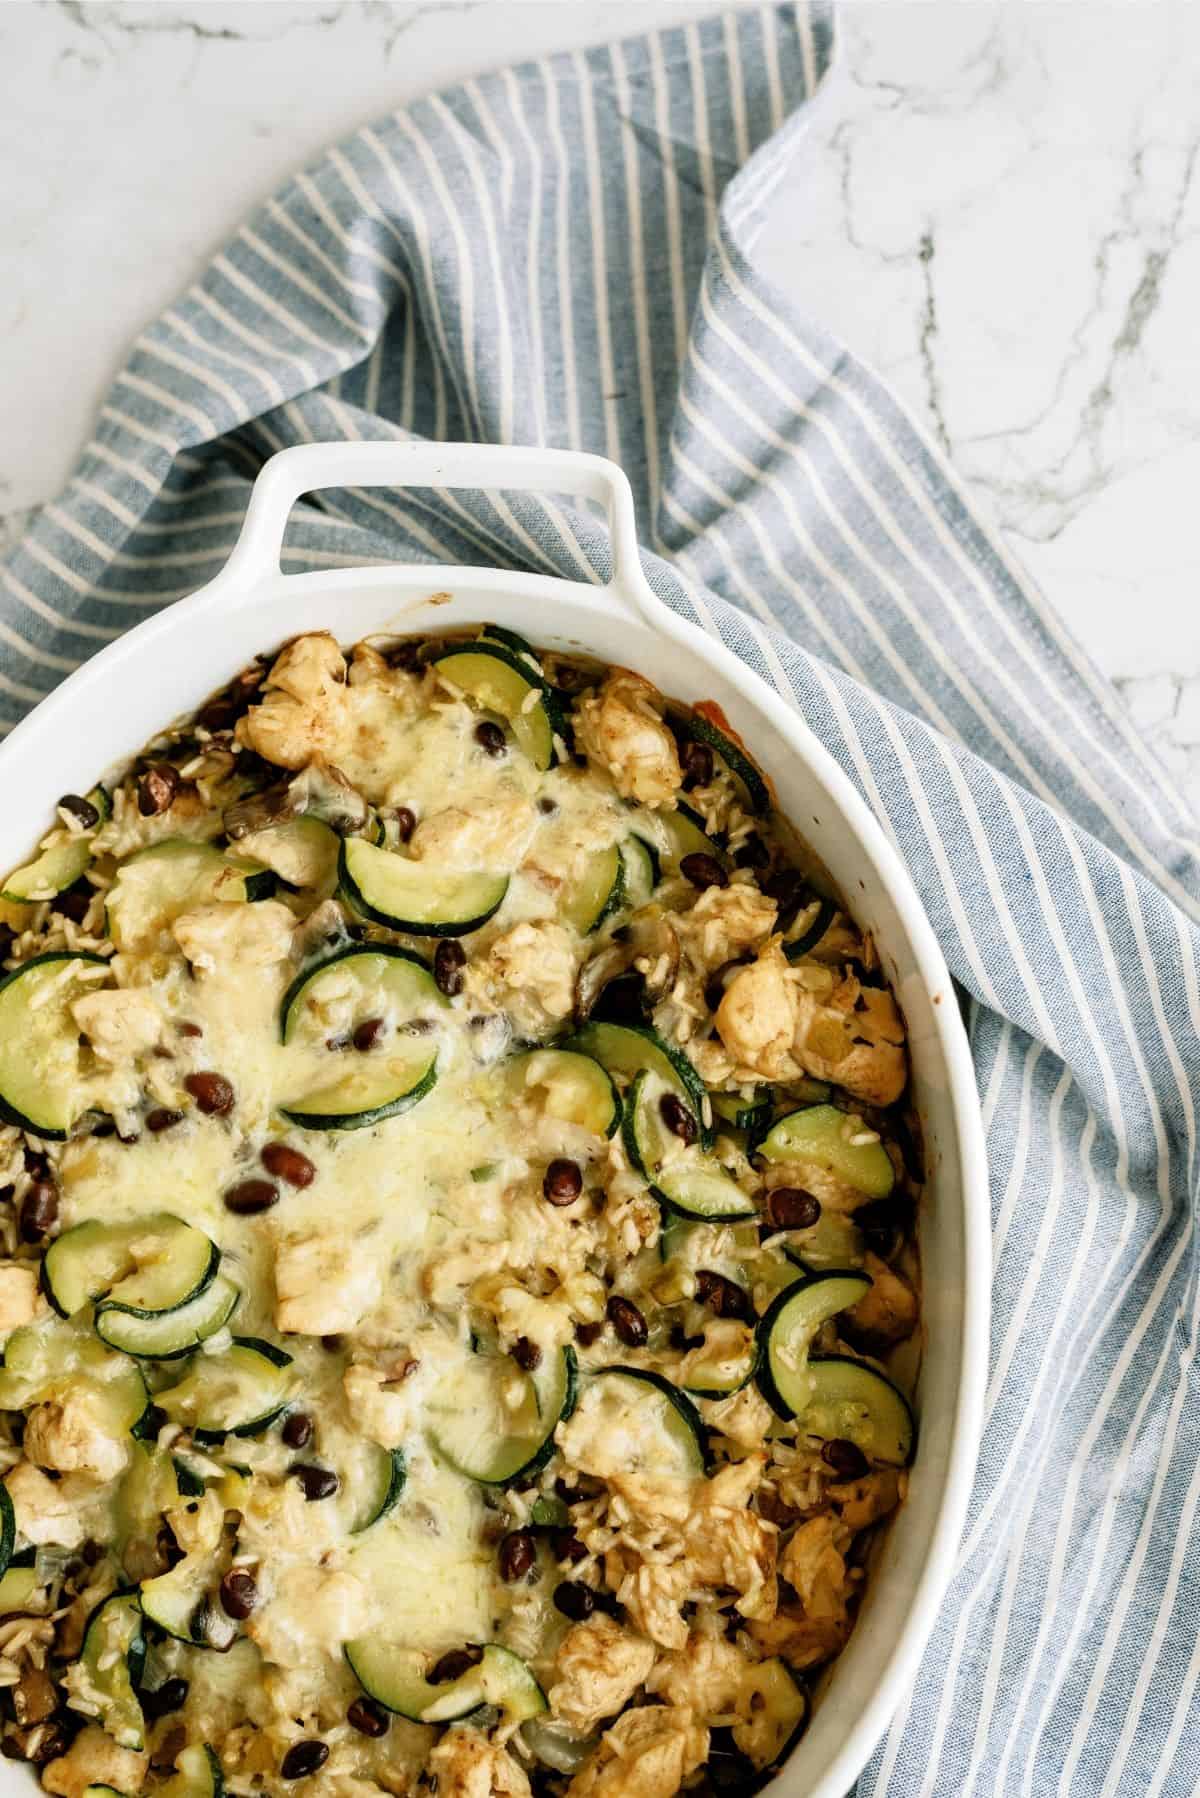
column 563, row 253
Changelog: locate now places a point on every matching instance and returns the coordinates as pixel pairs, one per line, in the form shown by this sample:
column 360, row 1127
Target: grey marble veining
column 999, row 207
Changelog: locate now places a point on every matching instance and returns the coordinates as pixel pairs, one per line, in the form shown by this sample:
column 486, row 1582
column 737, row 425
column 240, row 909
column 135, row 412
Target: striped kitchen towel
column 564, row 253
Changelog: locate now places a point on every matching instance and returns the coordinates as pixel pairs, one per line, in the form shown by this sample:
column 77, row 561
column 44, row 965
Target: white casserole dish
column 106, row 711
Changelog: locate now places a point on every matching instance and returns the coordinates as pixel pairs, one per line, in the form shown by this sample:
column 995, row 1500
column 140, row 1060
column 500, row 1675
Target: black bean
column 406, row 822
column 333, row 1344
column 791, row 1208
column 454, row 1664
column 627, row 1321
column 574, row 1600
column 162, row 1119
column 186, row 1029
column 170, row 1696
column 316, row 1482
column 696, row 759
column 516, row 1554
column 567, row 1547
column 368, row 1718
column 587, row 1334
column 249, row 1197
column 297, row 1430
column 678, row 1119
column 369, row 1034
column 286, row 1163
column 212, row 1093
column 563, row 1181
column 785, row 885
column 846, row 1458
column 8, row 937
column 703, row 870
column 157, row 788
column 490, row 738
column 547, row 806
column 239, row 1593
column 82, row 810
column 725, row 1297
column 753, row 853
column 303, row 1758
column 39, row 1211
column 449, row 959
column 74, row 902
column 224, row 709
column 526, row 1354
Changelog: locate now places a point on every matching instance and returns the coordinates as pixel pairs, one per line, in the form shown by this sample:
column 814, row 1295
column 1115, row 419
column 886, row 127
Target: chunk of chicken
column 311, row 1611
column 744, row 1417
column 227, row 938
column 380, row 1402
column 531, row 969
column 888, row 1312
column 812, row 1562
column 19, row 1301
column 756, row 1020
column 861, row 1503
column 493, row 833
column 801, row 1641
column 620, row 730
column 465, row 1764
column 707, row 1676
column 324, row 1283
column 48, row 1512
column 120, row 1023
column 648, row 1753
column 301, row 712
column 95, row 1759
column 69, row 1435
column 724, row 923
column 652, row 1592
column 599, row 1667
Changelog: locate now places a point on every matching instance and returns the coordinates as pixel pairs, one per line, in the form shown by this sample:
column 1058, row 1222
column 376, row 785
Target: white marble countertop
column 1000, row 209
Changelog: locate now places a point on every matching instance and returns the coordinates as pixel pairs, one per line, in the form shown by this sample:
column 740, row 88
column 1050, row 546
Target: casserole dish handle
column 308, row 466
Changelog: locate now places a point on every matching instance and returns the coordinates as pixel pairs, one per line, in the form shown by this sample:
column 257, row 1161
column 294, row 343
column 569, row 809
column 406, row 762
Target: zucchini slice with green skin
column 40, row 1080
column 152, row 1482
column 625, row 1049
column 486, row 1438
column 198, row 1775
column 101, row 1683
column 174, row 1264
column 414, row 897
column 715, row 1372
column 159, row 884
column 500, row 680
column 51, row 873
column 355, row 983
column 599, row 892
column 384, row 1478
column 44, row 1359
column 833, row 1241
column 369, row 1095
column 569, row 1086
column 683, row 1178
column 754, row 788
column 787, row 1328
column 849, row 1400
column 639, row 863
column 17, row 1588
column 808, row 939
column 687, row 834
column 395, row 1677
column 237, row 1393
column 738, row 1244
column 302, row 852
column 167, row 1336
column 651, row 1424
column 777, row 1701
column 825, row 1136
column 753, row 1115
column 179, row 1602
column 8, row 1531
column 500, row 633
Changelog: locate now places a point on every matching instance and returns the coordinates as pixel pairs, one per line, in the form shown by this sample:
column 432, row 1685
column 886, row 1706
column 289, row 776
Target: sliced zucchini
column 641, row 1419
column 368, row 1095
column 101, row 1683
column 788, row 1327
column 825, row 1136
column 599, row 892
column 752, row 1115
column 41, row 1086
column 685, row 829
column 569, row 1086
column 18, row 1587
column 755, row 791
column 173, row 1333
column 639, row 864
column 159, row 884
column 197, row 1775
column 302, row 852
column 396, row 1678
column 412, row 896
column 806, row 940
column 738, row 1245
column 680, row 1175
column 144, row 1266
column 833, row 1241
column 47, row 1359
column 500, row 680
column 477, row 1427
column 377, row 1490
column 179, row 1603
column 625, row 1049
column 237, row 1393
column 778, row 1708
column 151, row 1484
column 51, row 873
column 499, row 633
column 841, row 1398
column 725, row 1362
column 355, row 983
column 8, row 1532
